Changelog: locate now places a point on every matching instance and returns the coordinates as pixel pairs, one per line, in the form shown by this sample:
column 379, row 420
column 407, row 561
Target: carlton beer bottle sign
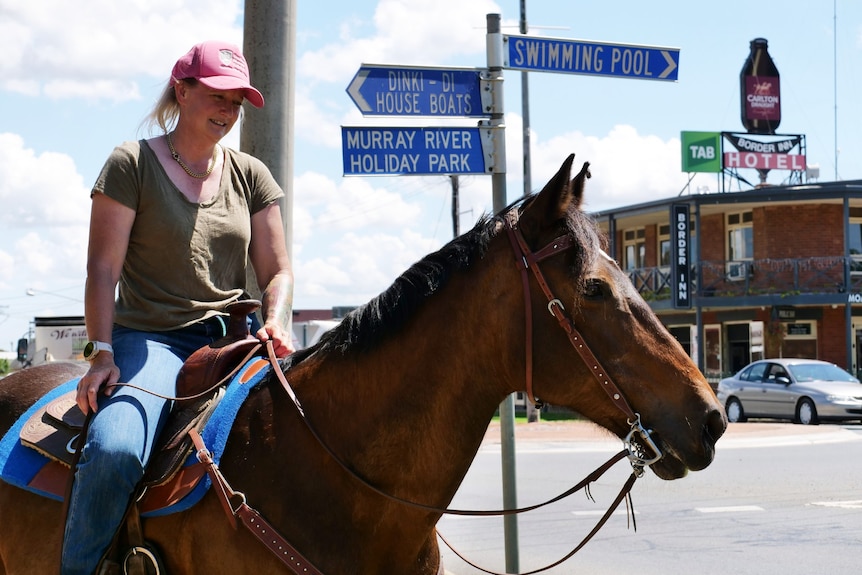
column 763, row 99
column 760, row 91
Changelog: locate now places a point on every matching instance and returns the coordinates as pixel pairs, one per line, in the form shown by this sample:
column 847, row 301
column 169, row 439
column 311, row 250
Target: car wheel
column 806, row 413
column 735, row 413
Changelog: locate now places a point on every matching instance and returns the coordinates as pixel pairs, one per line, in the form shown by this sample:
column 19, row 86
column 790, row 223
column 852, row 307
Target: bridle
column 639, row 447
column 638, row 439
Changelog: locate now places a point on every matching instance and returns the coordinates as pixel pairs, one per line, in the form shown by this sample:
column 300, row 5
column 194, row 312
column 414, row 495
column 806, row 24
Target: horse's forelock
column 586, row 248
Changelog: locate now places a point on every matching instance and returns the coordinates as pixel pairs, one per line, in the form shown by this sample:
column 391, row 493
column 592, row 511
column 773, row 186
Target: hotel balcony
column 817, row 280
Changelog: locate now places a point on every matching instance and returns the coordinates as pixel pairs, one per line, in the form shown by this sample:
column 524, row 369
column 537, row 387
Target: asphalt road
column 779, row 498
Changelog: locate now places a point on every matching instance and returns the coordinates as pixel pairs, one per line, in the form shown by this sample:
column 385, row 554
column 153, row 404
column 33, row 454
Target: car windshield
column 819, row 372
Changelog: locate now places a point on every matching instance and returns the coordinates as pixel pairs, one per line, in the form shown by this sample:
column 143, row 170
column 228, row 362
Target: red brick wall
column 711, row 238
column 651, row 246
column 619, row 245
column 798, row 231
column 785, row 231
column 831, row 337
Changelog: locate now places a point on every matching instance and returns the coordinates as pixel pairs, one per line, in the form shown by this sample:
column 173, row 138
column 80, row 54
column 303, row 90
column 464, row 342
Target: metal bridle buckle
column 637, row 442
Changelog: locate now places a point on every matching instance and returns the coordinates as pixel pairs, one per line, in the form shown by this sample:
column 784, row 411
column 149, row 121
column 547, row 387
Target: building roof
column 829, row 192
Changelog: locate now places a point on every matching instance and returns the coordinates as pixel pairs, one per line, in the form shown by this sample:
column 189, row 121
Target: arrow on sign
column 671, row 65
column 355, row 94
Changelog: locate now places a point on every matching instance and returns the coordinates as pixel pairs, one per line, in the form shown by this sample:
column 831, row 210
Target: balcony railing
column 773, row 276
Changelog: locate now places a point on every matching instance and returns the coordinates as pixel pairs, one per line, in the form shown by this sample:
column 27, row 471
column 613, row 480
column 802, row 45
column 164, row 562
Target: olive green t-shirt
column 185, row 261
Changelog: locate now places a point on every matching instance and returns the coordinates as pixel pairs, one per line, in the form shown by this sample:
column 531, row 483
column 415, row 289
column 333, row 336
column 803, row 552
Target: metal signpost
column 405, row 91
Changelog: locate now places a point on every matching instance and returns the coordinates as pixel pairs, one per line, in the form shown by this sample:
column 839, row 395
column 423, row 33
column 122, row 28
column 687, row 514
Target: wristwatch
column 92, row 349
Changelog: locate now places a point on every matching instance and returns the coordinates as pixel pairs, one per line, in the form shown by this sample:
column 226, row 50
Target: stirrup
column 144, row 555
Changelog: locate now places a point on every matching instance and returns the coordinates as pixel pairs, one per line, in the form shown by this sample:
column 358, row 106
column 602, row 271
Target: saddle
column 55, row 430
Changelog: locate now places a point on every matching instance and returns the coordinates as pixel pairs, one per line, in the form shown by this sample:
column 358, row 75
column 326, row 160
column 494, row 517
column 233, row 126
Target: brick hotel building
column 774, row 271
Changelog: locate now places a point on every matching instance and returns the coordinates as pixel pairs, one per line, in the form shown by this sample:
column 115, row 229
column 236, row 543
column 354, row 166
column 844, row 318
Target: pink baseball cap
column 220, row 66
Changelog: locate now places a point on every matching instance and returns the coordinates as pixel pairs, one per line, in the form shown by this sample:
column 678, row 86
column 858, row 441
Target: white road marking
column 731, row 509
column 599, row 513
column 857, row 504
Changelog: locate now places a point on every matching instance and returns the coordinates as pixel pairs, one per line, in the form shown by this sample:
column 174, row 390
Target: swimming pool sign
column 560, row 55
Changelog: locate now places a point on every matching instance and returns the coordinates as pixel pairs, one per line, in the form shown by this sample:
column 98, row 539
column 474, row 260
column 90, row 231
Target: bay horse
column 402, row 391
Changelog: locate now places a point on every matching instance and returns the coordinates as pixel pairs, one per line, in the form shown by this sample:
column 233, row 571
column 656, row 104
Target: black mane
column 386, row 314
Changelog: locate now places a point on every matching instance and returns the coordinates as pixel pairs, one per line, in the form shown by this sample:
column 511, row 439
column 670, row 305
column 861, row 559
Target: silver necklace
column 176, row 156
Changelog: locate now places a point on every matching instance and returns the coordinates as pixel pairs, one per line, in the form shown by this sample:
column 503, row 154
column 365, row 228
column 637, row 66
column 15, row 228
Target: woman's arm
column 110, row 226
column 268, row 253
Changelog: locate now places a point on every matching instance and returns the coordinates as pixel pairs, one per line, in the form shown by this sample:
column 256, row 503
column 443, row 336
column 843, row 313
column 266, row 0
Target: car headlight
column 843, row 399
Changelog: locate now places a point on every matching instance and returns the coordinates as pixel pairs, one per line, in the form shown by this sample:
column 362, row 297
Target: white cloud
column 47, row 254
column 36, row 191
column 405, row 32
column 101, row 48
column 359, row 266
column 626, row 167
column 316, row 121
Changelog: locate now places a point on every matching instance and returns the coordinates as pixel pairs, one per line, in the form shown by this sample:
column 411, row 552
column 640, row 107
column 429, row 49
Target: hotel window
column 740, row 244
column 664, row 246
column 634, row 248
column 854, row 240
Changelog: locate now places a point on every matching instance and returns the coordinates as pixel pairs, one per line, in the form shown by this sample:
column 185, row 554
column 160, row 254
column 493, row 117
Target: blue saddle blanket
column 19, row 463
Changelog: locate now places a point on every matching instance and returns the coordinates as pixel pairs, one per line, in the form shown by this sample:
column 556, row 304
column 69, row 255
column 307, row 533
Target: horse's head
column 618, row 331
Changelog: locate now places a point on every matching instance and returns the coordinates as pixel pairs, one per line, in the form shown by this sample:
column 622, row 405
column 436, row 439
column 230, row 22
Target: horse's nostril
column 716, row 424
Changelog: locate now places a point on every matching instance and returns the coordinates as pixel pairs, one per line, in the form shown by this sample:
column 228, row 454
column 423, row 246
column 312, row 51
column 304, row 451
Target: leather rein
column 639, row 448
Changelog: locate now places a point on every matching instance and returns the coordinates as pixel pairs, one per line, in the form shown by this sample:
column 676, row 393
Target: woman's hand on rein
column 103, row 373
column 282, row 342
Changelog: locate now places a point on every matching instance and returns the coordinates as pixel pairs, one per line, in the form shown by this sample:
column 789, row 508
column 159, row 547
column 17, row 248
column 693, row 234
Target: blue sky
column 76, row 79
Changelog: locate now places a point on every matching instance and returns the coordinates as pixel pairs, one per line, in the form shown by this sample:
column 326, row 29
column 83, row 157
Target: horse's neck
column 413, row 401
column 406, row 416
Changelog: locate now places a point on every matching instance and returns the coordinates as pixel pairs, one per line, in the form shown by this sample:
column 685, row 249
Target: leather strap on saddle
column 206, row 367
column 235, row 507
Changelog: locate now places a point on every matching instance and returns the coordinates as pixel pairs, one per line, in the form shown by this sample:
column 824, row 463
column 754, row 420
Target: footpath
column 752, row 433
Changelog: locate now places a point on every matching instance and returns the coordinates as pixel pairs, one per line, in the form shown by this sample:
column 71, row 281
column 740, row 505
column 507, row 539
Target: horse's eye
column 593, row 289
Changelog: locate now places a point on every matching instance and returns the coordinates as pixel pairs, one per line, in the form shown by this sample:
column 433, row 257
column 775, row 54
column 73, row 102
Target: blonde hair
column 166, row 111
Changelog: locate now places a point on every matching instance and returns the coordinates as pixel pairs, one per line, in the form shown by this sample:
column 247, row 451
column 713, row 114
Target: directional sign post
column 414, row 91
column 591, row 58
column 414, row 151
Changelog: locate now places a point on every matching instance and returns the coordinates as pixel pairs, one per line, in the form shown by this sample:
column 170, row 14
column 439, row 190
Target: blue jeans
column 121, row 436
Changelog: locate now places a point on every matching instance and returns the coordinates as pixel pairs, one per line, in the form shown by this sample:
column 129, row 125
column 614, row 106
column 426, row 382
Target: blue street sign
column 412, row 151
column 412, row 91
column 590, row 58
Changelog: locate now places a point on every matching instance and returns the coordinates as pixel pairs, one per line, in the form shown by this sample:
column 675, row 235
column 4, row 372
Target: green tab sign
column 701, row 151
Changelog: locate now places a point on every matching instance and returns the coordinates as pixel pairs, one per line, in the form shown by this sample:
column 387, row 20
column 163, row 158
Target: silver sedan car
column 805, row 390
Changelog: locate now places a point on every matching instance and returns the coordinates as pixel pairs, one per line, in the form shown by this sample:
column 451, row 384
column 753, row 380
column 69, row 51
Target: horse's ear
column 555, row 200
column 577, row 185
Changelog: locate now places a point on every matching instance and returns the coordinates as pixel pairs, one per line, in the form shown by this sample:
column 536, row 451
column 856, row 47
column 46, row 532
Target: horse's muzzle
column 681, row 457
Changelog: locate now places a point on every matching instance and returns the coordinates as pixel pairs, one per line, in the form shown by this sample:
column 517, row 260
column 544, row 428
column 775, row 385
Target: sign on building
column 680, row 260
column 701, row 151
column 60, row 338
column 765, row 152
